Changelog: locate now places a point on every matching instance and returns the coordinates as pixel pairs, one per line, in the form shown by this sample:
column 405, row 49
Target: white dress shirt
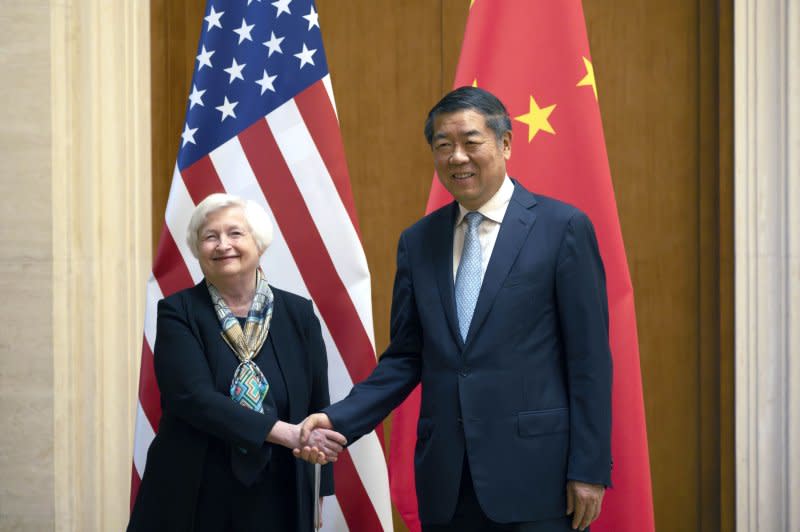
column 493, row 212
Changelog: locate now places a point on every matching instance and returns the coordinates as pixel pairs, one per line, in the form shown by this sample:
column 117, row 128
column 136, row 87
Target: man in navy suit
column 500, row 311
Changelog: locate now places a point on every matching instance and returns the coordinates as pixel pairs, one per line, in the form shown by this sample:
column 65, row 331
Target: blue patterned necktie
column 468, row 275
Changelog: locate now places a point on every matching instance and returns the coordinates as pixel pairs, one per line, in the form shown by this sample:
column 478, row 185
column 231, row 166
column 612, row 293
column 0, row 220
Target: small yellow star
column 537, row 119
column 588, row 79
column 470, row 3
column 475, row 82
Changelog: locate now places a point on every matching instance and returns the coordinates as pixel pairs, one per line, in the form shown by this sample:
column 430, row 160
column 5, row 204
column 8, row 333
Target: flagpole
column 317, row 469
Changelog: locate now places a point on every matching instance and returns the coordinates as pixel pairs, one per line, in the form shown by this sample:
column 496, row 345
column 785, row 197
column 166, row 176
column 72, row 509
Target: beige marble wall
column 75, row 253
column 26, row 325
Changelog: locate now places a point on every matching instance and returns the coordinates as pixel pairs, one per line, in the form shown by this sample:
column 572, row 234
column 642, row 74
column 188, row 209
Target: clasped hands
column 318, row 442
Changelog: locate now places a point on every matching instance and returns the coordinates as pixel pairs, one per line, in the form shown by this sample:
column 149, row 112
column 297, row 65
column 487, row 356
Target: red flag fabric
column 261, row 124
column 534, row 56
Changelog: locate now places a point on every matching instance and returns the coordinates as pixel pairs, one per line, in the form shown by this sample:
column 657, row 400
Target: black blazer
column 527, row 397
column 194, row 367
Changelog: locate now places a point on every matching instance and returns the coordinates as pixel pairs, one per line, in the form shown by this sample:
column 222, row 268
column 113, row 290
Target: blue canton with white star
column 253, row 56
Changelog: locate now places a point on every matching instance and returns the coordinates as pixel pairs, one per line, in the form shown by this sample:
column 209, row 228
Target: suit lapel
column 280, row 334
column 517, row 223
column 442, row 250
column 224, row 359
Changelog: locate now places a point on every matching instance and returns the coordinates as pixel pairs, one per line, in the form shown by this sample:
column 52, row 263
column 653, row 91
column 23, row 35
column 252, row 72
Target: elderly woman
column 239, row 364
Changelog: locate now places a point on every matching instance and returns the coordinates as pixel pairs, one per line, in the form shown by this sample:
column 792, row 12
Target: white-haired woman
column 239, row 364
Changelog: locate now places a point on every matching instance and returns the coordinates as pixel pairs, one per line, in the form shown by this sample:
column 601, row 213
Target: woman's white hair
column 255, row 216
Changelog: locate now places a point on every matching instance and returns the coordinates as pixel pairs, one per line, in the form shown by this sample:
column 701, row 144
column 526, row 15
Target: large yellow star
column 470, row 3
column 475, row 82
column 537, row 119
column 588, row 79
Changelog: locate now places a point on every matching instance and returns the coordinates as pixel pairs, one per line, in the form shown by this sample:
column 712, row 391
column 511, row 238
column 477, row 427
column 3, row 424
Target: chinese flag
column 534, row 55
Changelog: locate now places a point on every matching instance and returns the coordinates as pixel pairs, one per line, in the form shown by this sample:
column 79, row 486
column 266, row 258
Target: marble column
column 767, row 263
column 100, row 190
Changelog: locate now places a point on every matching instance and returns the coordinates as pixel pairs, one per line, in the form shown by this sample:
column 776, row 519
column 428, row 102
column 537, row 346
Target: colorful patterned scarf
column 249, row 386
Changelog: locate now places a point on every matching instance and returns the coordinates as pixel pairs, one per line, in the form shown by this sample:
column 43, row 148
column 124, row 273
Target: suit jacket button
column 464, row 372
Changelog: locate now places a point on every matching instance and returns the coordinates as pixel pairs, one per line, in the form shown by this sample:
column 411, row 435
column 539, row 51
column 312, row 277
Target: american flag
column 261, row 123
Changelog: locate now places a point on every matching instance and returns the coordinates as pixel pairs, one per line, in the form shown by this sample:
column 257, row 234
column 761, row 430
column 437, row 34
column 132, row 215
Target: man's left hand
column 583, row 502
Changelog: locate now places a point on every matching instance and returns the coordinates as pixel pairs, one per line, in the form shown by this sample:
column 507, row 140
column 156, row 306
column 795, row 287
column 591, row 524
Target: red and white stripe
column 292, row 163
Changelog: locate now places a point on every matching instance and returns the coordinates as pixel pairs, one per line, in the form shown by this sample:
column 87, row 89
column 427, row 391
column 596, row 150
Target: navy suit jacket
column 527, row 396
column 194, row 367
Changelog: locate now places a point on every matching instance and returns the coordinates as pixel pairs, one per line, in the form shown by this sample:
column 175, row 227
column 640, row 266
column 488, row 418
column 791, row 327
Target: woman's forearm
column 285, row 434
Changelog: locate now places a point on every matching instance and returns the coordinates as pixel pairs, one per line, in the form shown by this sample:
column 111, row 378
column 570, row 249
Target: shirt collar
column 495, row 208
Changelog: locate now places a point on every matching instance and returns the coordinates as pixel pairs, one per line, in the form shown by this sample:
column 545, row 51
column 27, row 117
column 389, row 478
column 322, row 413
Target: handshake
column 318, row 443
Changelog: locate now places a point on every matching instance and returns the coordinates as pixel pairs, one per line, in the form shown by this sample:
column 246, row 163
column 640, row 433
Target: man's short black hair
column 480, row 100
